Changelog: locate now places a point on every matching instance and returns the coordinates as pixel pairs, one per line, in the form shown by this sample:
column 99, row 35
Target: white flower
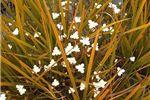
column 64, row 35
column 71, row 90
column 36, row 69
column 111, row 30
column 72, row 60
column 27, row 34
column 37, row 34
column 55, row 82
column 76, row 48
column 80, row 68
column 64, row 14
column 106, row 29
column 120, row 3
column 21, row 89
column 10, row 24
column 75, row 35
column 88, row 55
column 64, row 7
column 51, row 64
column 98, row 78
column 96, row 46
column 120, row 71
column 96, row 92
column 97, row 5
column 82, row 86
column 2, row 96
column 92, row 24
column 9, row 46
column 16, row 31
column 114, row 7
column 39, row 62
column 56, row 51
column 88, row 49
column 63, row 3
column 97, row 16
column 63, row 64
column 100, row 84
column 61, row 37
column 77, row 19
column 55, row 15
column 73, row 27
column 69, row 49
column 116, row 60
column 132, row 59
column 95, row 73
column 116, row 10
column 60, row 27
column 46, row 67
column 85, row 41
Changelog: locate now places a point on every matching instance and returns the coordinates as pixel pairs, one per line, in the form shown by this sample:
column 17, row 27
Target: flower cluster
column 77, row 46
column 106, row 29
column 97, row 5
column 72, row 49
column 98, row 85
column 114, row 7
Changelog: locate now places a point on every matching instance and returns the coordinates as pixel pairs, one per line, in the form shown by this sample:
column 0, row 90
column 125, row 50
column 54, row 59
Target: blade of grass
column 138, row 13
column 104, row 94
column 7, row 84
column 137, row 28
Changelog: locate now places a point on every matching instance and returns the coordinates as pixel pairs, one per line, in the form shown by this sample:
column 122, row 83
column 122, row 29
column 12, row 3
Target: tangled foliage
column 75, row 49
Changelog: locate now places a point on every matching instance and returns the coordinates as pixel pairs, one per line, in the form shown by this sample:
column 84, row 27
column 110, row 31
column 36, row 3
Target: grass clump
column 54, row 49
